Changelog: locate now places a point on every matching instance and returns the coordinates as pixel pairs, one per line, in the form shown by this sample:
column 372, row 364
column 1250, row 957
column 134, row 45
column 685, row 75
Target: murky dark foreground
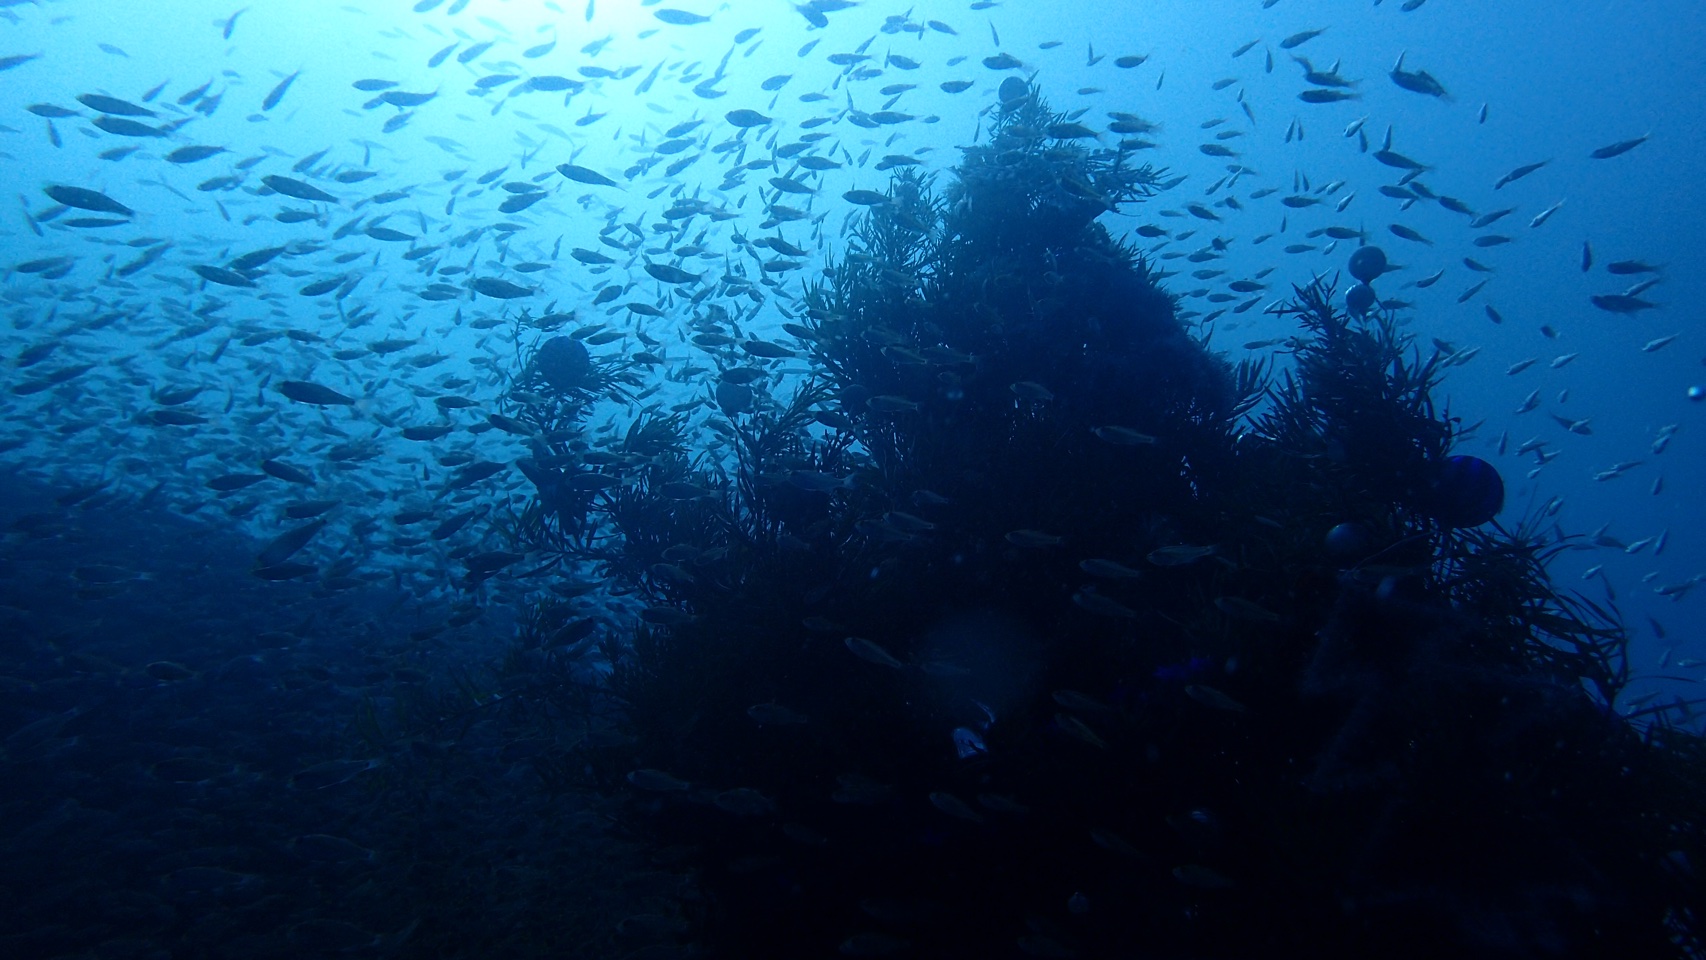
column 184, row 774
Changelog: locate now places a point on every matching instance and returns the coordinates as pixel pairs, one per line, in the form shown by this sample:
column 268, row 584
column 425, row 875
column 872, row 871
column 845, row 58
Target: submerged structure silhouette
column 1025, row 625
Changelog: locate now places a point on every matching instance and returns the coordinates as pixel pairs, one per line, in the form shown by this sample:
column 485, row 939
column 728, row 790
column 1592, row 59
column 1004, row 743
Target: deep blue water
column 122, row 551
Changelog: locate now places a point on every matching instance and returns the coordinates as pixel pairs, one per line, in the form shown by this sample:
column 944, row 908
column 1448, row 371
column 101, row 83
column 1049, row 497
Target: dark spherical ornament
column 1697, row 393
column 564, row 363
column 1347, row 540
column 1013, row 90
column 1359, row 299
column 734, row 398
column 853, row 398
column 1368, row 263
column 1466, row 492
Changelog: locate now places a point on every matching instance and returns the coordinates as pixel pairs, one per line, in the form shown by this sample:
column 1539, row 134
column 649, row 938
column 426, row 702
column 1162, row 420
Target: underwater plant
column 1027, row 624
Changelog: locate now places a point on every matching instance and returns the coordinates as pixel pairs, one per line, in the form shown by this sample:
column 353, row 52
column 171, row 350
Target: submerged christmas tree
column 1022, row 623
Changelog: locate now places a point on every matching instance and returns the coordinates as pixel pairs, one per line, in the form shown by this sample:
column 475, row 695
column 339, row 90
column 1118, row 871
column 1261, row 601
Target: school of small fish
column 287, row 294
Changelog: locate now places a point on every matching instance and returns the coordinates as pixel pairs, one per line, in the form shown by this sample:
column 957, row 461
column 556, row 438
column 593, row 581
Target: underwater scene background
column 506, row 478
